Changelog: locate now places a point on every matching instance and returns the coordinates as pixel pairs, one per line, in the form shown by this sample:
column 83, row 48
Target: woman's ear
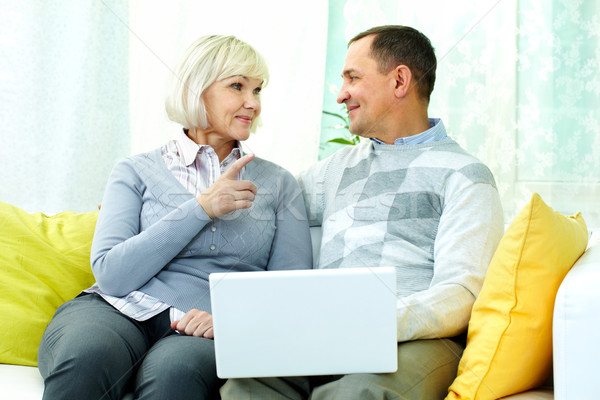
column 403, row 80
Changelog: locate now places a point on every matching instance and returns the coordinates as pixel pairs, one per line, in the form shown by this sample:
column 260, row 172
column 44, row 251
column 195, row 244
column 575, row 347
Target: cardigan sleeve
column 291, row 247
column 123, row 258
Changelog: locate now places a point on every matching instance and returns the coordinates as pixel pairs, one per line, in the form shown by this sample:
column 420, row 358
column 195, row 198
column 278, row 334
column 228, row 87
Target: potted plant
column 347, row 137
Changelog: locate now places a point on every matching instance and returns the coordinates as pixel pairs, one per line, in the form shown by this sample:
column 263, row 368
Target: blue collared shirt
column 435, row 133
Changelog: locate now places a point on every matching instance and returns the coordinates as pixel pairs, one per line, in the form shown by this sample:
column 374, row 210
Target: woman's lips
column 244, row 119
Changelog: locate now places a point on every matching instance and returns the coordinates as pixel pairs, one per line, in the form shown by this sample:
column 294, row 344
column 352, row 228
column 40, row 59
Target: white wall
column 290, row 36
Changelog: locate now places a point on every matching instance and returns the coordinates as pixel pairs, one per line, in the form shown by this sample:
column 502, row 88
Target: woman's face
column 232, row 106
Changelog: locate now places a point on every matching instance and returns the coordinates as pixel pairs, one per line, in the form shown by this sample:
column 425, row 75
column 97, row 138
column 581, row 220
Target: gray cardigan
column 153, row 236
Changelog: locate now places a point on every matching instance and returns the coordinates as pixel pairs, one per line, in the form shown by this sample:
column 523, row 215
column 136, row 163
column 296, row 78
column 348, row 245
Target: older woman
column 169, row 218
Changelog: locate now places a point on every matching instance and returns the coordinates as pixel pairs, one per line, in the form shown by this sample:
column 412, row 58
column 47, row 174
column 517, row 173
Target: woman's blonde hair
column 210, row 59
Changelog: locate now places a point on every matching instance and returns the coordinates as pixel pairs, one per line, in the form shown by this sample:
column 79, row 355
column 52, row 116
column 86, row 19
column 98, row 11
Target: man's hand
column 195, row 323
column 228, row 194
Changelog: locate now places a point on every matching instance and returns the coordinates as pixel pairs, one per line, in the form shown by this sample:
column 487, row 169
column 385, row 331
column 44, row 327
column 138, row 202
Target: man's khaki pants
column 426, row 368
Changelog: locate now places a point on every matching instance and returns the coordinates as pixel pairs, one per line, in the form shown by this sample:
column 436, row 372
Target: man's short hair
column 395, row 45
column 209, row 59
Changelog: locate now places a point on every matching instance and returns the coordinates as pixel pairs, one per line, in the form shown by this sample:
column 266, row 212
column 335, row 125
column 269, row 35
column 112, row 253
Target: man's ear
column 403, row 80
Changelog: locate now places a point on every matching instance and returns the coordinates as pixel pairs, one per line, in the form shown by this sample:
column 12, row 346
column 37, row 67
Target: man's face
column 367, row 93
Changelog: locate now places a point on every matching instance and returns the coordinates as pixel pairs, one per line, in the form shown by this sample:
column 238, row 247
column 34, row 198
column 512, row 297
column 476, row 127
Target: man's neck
column 408, row 127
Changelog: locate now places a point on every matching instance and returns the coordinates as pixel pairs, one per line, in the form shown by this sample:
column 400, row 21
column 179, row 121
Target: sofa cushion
column 44, row 261
column 509, row 342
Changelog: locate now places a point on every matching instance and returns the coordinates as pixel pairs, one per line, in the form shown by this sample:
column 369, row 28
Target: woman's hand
column 195, row 323
column 228, row 194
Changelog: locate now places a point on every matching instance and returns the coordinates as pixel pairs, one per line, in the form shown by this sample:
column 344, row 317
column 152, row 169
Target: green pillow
column 44, row 261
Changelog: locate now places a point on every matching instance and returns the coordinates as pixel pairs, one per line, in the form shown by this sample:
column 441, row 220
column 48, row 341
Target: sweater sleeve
column 470, row 228
column 291, row 247
column 124, row 258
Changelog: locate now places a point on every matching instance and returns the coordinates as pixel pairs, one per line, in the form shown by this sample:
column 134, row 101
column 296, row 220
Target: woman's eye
column 237, row 86
column 257, row 90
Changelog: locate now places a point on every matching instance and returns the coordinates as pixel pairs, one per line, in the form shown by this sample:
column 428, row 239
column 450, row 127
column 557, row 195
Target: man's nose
column 343, row 95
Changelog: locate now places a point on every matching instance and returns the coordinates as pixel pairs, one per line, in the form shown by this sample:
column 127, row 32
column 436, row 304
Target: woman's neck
column 222, row 147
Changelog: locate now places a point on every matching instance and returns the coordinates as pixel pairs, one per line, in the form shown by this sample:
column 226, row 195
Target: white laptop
column 304, row 322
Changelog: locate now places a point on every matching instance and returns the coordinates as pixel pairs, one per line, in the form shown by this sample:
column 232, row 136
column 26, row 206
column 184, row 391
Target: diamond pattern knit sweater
column 432, row 211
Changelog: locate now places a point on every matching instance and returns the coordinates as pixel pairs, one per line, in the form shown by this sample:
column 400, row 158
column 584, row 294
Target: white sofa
column 576, row 348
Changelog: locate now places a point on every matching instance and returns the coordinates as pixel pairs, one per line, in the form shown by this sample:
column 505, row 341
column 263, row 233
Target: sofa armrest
column 576, row 326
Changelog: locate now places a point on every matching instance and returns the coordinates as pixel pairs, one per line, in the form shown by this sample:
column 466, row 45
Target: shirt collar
column 435, row 133
column 188, row 149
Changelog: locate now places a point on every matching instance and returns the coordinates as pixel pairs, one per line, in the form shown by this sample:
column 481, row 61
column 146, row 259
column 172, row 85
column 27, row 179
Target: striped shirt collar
column 435, row 133
column 188, row 149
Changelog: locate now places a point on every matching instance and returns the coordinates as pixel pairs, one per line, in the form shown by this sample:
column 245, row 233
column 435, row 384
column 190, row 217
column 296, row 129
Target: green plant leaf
column 347, row 138
column 341, row 141
column 336, row 115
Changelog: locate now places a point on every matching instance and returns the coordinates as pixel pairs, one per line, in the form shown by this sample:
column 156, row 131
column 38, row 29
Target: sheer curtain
column 558, row 115
column 517, row 85
column 83, row 85
column 63, row 102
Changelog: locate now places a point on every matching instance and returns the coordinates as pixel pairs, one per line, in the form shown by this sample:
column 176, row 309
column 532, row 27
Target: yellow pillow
column 44, row 261
column 509, row 342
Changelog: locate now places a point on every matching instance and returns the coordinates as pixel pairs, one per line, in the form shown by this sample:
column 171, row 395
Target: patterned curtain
column 517, row 85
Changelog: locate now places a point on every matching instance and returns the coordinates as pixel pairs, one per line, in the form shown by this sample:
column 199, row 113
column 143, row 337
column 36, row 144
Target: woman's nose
column 252, row 102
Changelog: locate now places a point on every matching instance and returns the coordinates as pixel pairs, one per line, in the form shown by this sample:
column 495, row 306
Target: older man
column 409, row 197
